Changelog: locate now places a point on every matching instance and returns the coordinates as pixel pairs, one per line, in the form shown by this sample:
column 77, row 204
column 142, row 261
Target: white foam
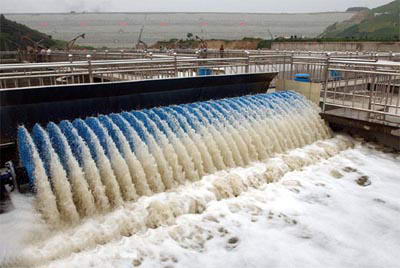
column 307, row 219
column 163, row 209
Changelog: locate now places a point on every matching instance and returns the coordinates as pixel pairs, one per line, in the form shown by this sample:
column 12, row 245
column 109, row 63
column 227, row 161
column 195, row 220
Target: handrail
column 280, row 61
column 357, row 82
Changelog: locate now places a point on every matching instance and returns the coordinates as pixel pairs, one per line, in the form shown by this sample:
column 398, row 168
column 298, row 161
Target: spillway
column 83, row 167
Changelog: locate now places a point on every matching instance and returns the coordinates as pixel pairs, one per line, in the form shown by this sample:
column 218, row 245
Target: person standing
column 221, row 51
column 37, row 55
column 204, row 49
column 42, row 55
column 48, row 55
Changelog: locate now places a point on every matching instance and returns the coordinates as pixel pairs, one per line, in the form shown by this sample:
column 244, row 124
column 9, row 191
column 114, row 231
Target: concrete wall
column 338, row 46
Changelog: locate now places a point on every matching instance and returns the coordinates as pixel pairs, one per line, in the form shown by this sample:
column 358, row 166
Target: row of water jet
column 91, row 166
column 163, row 209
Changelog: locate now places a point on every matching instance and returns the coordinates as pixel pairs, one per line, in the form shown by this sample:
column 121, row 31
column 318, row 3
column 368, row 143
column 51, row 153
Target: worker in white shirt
column 48, row 54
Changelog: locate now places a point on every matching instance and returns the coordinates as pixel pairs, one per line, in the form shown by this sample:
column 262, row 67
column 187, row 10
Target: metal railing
column 363, row 90
column 77, row 55
column 89, row 71
column 170, row 65
column 155, row 66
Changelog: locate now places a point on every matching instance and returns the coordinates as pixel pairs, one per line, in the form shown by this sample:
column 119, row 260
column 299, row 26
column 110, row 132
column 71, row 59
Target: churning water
column 91, row 166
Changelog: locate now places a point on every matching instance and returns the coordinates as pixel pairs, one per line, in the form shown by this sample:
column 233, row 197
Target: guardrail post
column 325, row 86
column 291, row 64
column 90, row 71
column 175, row 65
column 283, row 76
column 284, row 67
column 122, row 54
column 106, row 55
column 198, row 62
column 71, row 68
column 247, row 68
column 309, row 62
column 372, row 95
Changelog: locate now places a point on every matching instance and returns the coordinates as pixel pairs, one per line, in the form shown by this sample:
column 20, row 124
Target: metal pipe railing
column 363, row 84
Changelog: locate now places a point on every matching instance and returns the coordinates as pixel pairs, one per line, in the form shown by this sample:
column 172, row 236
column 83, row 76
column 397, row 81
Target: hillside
column 381, row 23
column 244, row 43
column 14, row 35
column 356, row 9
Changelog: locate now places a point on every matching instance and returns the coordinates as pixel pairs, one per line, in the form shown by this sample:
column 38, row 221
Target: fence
column 150, row 66
column 364, row 91
column 89, row 71
column 77, row 55
column 365, row 87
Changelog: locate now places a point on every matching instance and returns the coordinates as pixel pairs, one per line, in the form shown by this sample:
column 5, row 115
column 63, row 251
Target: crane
column 270, row 34
column 71, row 43
column 35, row 44
column 140, row 42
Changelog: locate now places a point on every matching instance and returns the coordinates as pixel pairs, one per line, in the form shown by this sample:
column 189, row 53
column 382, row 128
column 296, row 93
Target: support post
column 71, row 69
column 291, row 64
column 90, row 70
column 326, row 74
column 283, row 76
column 247, row 68
column 175, row 65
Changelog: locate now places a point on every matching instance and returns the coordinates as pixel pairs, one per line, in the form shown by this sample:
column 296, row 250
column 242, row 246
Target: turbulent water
column 87, row 167
column 205, row 185
column 32, row 242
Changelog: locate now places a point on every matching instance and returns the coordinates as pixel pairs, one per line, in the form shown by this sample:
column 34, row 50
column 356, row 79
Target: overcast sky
column 15, row 6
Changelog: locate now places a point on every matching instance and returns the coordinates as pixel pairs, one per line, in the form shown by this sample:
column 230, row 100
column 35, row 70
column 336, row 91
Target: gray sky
column 15, row 6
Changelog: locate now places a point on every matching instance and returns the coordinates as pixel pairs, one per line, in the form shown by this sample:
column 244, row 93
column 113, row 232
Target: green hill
column 381, row 23
column 14, row 35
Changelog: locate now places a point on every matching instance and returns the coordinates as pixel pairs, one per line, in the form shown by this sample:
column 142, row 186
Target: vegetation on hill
column 381, row 23
column 356, row 9
column 15, row 36
column 194, row 43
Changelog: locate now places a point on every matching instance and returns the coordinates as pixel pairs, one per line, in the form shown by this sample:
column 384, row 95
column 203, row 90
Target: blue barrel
column 336, row 75
column 302, row 78
column 204, row 71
